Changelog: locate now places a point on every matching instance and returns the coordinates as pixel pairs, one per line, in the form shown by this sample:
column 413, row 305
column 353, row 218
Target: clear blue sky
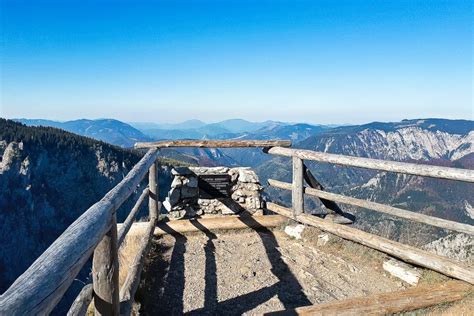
column 313, row 61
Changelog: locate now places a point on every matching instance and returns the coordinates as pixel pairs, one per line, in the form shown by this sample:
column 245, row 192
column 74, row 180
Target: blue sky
column 167, row 61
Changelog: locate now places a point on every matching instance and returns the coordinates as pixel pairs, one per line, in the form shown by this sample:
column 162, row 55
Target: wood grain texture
column 297, row 195
column 153, row 187
column 42, row 285
column 388, row 303
column 465, row 175
column 394, row 211
column 184, row 226
column 214, row 143
column 105, row 274
column 406, row 253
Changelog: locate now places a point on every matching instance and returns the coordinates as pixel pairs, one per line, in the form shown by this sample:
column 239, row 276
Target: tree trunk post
column 105, row 274
column 297, row 196
column 154, row 193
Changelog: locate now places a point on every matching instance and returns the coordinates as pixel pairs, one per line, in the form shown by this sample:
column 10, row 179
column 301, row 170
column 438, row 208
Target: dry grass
column 127, row 254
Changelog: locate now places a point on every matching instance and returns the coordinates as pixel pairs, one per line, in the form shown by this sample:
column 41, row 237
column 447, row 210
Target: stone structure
column 204, row 191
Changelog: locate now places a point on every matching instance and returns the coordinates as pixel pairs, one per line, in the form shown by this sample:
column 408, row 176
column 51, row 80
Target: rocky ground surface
column 248, row 272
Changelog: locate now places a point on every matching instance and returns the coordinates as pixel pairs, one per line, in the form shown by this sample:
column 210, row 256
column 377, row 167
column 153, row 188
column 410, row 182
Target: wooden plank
column 297, row 195
column 124, row 228
column 42, row 285
column 394, row 211
column 388, row 303
column 184, row 226
column 130, row 286
column 214, row 143
column 406, row 253
column 153, row 196
column 465, row 175
column 81, row 303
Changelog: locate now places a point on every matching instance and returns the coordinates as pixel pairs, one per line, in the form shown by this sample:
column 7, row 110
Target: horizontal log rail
column 43, row 284
column 465, row 175
column 388, row 303
column 382, row 208
column 183, row 226
column 214, row 143
column 406, row 253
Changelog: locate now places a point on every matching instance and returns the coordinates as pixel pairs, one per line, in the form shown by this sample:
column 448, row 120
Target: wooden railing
column 39, row 289
column 407, row 253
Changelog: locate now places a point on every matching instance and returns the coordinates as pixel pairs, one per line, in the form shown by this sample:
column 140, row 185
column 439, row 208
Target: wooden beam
column 297, row 194
column 81, row 303
column 124, row 228
column 465, row 175
column 153, row 196
column 43, row 284
column 386, row 209
column 389, row 303
column 130, row 286
column 184, row 226
column 105, row 274
column 407, row 253
column 214, row 143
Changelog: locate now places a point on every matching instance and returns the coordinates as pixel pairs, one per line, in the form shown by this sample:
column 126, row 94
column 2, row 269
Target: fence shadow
column 287, row 289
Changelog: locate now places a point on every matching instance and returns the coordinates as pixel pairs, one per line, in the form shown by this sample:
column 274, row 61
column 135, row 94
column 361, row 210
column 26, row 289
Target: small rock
column 294, row 231
column 322, row 239
column 403, row 271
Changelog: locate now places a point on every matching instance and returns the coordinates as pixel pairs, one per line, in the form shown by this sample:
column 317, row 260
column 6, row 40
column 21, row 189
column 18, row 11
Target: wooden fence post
column 105, row 274
column 297, row 196
column 154, row 193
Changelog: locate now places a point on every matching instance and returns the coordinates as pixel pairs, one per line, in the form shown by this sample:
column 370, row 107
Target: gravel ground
column 248, row 272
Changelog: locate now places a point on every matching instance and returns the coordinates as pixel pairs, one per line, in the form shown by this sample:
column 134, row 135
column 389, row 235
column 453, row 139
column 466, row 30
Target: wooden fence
column 407, row 253
column 43, row 284
column 39, row 289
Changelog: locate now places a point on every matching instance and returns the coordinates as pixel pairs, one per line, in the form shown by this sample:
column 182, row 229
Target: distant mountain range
column 108, row 130
column 428, row 141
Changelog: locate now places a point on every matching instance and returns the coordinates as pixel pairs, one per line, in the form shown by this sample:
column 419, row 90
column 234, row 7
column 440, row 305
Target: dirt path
column 248, row 272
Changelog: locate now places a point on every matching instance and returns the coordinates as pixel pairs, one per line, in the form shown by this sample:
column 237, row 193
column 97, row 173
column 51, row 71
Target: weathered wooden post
column 154, row 193
column 105, row 274
column 297, row 194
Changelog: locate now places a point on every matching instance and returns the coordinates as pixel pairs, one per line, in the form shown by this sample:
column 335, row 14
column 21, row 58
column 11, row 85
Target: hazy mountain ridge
column 109, row 130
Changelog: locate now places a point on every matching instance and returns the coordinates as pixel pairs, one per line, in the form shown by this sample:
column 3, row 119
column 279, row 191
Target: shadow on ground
column 165, row 277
